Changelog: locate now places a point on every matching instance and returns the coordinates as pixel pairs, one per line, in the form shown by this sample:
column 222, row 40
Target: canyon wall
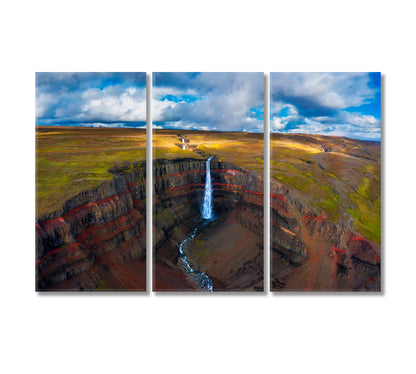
column 99, row 230
column 309, row 252
column 92, row 233
column 178, row 189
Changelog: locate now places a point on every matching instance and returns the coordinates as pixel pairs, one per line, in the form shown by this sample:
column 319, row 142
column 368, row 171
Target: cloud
column 353, row 125
column 358, row 119
column 343, row 104
column 224, row 101
column 121, row 105
column 277, row 124
column 322, row 93
column 90, row 98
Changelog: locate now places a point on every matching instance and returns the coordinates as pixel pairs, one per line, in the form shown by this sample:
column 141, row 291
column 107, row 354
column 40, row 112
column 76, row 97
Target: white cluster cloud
column 90, row 98
column 358, row 119
column 323, row 103
column 326, row 103
column 219, row 100
column 114, row 105
column 325, row 90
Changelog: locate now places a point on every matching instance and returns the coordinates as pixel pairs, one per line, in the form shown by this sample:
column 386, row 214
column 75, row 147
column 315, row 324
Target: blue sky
column 342, row 104
column 208, row 101
column 91, row 99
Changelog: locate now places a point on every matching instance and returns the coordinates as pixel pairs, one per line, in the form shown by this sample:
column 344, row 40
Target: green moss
column 70, row 161
column 366, row 204
column 345, row 182
column 364, row 188
column 322, row 195
column 297, row 181
column 334, row 195
column 333, row 175
column 330, row 206
column 367, row 217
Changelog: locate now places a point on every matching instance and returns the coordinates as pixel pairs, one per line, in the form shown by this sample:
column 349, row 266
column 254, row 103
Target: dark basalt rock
column 179, row 189
column 95, row 230
column 105, row 226
column 298, row 233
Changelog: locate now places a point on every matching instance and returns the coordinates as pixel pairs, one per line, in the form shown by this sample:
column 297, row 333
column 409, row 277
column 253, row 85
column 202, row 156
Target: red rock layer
column 77, row 249
column 330, row 256
column 179, row 187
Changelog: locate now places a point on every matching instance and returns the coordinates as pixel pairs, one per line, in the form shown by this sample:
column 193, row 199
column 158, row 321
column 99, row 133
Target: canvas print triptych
column 208, row 182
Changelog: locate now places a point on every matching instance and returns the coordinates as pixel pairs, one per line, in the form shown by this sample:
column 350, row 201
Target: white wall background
column 224, row 334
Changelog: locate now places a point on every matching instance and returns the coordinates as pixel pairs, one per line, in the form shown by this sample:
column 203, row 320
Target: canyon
column 98, row 239
column 90, row 209
column 90, row 224
column 311, row 253
column 325, row 214
column 325, row 211
column 227, row 247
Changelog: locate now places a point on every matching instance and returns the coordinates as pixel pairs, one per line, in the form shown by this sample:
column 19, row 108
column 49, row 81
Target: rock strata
column 311, row 253
column 179, row 188
column 94, row 231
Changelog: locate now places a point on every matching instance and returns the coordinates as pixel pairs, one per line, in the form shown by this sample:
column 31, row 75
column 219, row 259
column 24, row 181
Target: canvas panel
column 90, row 181
column 325, row 182
column 208, row 182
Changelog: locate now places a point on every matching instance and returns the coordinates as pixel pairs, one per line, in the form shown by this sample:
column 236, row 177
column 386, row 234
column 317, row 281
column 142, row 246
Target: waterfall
column 198, row 276
column 207, row 204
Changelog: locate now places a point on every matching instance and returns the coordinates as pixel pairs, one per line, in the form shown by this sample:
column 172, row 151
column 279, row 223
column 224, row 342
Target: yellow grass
column 71, row 160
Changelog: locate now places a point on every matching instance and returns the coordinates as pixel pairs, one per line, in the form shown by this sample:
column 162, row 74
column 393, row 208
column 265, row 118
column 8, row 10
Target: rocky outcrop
column 94, row 231
column 306, row 245
column 99, row 230
column 178, row 194
column 179, row 186
column 309, row 252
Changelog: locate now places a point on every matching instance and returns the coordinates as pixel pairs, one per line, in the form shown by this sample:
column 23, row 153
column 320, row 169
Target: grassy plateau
column 70, row 160
column 342, row 183
column 242, row 148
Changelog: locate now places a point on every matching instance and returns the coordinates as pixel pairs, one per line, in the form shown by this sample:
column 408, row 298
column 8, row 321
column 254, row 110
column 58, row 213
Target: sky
column 208, row 101
column 342, row 104
column 91, row 99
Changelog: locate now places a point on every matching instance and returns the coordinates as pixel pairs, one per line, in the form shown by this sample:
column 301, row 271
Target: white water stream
column 207, row 203
column 203, row 279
